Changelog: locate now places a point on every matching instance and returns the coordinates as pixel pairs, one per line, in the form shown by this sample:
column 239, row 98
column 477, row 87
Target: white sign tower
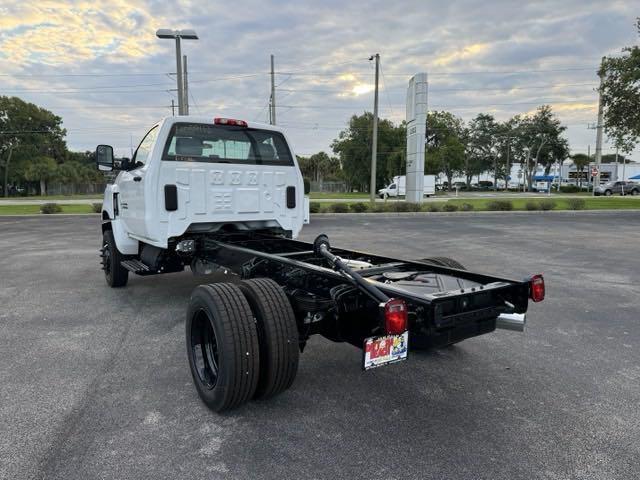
column 416, row 134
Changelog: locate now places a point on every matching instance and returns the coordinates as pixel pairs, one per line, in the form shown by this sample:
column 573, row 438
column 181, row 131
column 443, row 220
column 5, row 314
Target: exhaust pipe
column 512, row 321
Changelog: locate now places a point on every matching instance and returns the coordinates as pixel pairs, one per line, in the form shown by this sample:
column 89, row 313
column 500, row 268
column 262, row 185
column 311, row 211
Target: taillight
column 395, row 316
column 229, row 121
column 536, row 288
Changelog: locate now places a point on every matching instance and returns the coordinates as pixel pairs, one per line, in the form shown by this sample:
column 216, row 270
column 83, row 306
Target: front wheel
column 608, row 193
column 114, row 273
column 635, row 192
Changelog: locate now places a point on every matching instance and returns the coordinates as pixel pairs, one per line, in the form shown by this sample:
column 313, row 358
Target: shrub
column 314, row 207
column 96, row 207
column 433, row 207
column 339, row 208
column 399, row 206
column 359, row 207
column 50, row 208
column 466, row 207
column 569, row 188
column 324, row 209
column 531, row 205
column 450, row 207
column 547, row 204
column 405, row 206
column 381, row 207
column 500, row 205
column 576, row 203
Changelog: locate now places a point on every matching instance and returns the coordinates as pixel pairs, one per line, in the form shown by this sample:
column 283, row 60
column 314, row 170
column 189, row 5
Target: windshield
column 199, row 142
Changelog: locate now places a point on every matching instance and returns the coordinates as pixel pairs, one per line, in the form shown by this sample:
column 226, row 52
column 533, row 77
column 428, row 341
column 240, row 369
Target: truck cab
column 197, row 174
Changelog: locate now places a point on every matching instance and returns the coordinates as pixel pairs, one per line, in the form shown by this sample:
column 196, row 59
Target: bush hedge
column 500, row 205
column 339, row 208
column 359, row 207
column 314, row 207
column 433, row 207
column 48, row 208
column 569, row 189
column 576, row 203
column 547, row 204
column 531, row 205
column 96, row 207
column 450, row 207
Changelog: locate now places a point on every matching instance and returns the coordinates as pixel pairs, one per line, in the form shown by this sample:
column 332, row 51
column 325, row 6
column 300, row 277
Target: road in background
column 95, row 381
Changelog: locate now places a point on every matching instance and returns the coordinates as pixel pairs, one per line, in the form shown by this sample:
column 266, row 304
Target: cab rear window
column 200, row 142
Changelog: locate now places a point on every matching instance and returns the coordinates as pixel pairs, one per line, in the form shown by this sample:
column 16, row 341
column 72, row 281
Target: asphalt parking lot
column 95, row 382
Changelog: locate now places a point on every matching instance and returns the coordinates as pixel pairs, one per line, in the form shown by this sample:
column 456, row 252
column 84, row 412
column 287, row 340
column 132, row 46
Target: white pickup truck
column 194, row 174
column 226, row 196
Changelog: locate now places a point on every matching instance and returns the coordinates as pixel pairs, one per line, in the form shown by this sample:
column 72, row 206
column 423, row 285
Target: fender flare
column 124, row 244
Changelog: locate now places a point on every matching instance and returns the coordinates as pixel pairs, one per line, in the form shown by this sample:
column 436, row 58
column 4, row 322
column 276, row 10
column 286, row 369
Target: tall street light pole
column 178, row 35
column 374, row 141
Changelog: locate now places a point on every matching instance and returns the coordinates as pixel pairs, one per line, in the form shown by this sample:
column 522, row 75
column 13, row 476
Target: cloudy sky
column 100, row 67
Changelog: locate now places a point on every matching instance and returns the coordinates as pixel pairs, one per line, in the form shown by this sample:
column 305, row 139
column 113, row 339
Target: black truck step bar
column 137, row 267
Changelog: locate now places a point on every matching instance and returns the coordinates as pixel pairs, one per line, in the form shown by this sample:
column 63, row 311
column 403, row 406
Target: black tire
column 115, row 274
column 277, row 335
column 443, row 262
column 635, row 192
column 607, row 193
column 222, row 346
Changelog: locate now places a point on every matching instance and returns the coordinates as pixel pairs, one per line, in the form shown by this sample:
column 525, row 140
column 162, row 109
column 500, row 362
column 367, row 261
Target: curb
column 48, row 215
column 397, row 214
column 480, row 212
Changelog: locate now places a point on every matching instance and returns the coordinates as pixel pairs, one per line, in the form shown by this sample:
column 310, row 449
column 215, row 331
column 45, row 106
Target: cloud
column 57, row 33
column 500, row 56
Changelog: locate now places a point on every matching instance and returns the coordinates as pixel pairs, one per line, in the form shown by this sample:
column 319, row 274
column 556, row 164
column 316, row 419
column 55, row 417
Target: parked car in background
column 618, row 187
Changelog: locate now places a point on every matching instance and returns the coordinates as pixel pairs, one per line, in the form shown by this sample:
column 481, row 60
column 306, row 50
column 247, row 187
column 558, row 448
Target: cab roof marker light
column 230, row 121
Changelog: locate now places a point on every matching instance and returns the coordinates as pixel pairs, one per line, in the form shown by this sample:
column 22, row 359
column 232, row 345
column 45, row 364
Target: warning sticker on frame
column 384, row 350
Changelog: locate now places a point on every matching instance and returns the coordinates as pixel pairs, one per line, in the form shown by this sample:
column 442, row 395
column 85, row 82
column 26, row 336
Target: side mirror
column 104, row 158
column 307, row 186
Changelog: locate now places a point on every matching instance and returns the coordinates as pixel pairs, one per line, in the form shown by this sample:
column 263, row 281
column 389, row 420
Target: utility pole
column 173, row 108
column 273, row 92
column 6, row 171
column 186, row 86
column 589, row 173
column 507, row 172
column 599, row 130
column 374, row 140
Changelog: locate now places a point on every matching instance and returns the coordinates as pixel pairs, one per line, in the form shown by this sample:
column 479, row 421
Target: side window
column 144, row 149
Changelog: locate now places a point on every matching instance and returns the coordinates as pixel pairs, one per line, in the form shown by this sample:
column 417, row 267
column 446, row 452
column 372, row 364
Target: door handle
column 137, row 179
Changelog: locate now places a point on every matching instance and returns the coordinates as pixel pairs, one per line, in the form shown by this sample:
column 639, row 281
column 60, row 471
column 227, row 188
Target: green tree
column 445, row 145
column 27, row 131
column 319, row 167
column 484, row 142
column 41, row 169
column 538, row 141
column 621, row 96
column 353, row 147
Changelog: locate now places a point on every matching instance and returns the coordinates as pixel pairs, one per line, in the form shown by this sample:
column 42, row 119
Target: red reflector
column 536, row 288
column 229, row 121
column 395, row 316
